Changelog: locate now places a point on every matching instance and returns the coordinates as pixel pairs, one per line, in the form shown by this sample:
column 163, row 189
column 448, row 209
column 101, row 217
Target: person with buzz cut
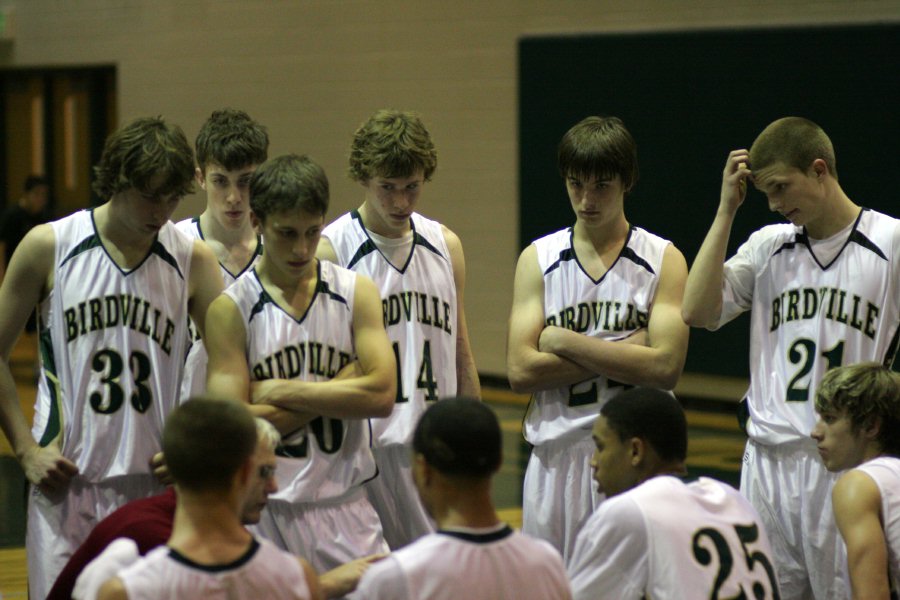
column 457, row 449
column 211, row 452
column 657, row 535
column 823, row 290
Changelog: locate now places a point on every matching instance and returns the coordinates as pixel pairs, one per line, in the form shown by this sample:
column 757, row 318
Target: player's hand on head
column 160, row 470
column 47, row 468
column 342, row 580
column 734, row 179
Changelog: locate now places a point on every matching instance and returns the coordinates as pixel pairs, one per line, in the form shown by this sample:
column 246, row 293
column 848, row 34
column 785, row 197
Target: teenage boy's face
column 393, row 200
column 146, row 211
column 227, row 194
column 595, row 199
column 795, row 194
column 291, row 237
column 612, row 460
column 839, row 446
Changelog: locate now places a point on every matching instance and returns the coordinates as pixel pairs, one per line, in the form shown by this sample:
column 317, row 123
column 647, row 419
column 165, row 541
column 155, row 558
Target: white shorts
column 791, row 490
column 394, row 497
column 58, row 525
column 327, row 534
column 559, row 493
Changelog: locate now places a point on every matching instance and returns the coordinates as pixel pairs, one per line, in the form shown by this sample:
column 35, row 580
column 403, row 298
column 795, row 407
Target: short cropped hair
column 231, row 139
column 287, row 183
column 460, row 437
column 33, row 181
column 205, row 442
column 599, row 147
column 864, row 392
column 134, row 155
column 652, row 415
column 267, row 435
column 392, row 143
column 794, row 141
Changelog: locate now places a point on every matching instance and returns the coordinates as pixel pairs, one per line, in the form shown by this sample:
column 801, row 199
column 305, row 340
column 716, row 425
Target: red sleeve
column 148, row 522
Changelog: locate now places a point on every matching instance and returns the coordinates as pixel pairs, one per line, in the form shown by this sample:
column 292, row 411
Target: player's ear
column 872, row 428
column 637, row 451
column 819, row 168
column 422, row 471
column 201, row 180
column 256, row 222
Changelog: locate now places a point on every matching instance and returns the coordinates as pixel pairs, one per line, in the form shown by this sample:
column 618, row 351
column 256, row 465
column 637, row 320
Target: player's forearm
column 702, row 303
column 658, row 367
column 356, row 398
column 12, row 420
column 467, row 383
column 285, row 421
column 533, row 371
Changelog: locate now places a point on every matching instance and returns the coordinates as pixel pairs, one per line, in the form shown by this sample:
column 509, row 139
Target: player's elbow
column 521, row 380
column 383, row 397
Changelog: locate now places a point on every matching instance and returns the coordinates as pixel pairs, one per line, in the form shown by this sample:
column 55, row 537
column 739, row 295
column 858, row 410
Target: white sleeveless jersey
column 807, row 317
column 194, row 381
column 328, row 457
column 885, row 472
column 419, row 304
column 668, row 539
column 112, row 349
column 610, row 308
column 495, row 564
column 263, row 572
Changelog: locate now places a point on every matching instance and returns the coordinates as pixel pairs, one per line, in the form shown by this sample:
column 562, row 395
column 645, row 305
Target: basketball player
column 419, row 268
column 115, row 286
column 309, row 335
column 823, row 291
column 596, row 308
column 210, row 448
column 859, row 421
column 148, row 521
column 457, row 449
column 656, row 536
column 230, row 146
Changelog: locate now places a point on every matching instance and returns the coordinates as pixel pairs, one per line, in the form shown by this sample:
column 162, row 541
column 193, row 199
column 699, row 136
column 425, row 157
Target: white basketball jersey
column 419, row 304
column 611, row 308
column 807, row 317
column 885, row 472
column 263, row 572
column 112, row 349
column 194, row 381
column 491, row 564
column 328, row 457
column 665, row 539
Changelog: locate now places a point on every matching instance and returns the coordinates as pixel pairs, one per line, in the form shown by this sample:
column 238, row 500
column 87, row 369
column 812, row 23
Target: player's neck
column 838, row 214
column 464, row 506
column 603, row 235
column 207, row 529
column 290, row 292
column 212, row 230
column 374, row 223
column 126, row 246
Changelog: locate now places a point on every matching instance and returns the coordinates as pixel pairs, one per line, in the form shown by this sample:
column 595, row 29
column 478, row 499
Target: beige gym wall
column 312, row 70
